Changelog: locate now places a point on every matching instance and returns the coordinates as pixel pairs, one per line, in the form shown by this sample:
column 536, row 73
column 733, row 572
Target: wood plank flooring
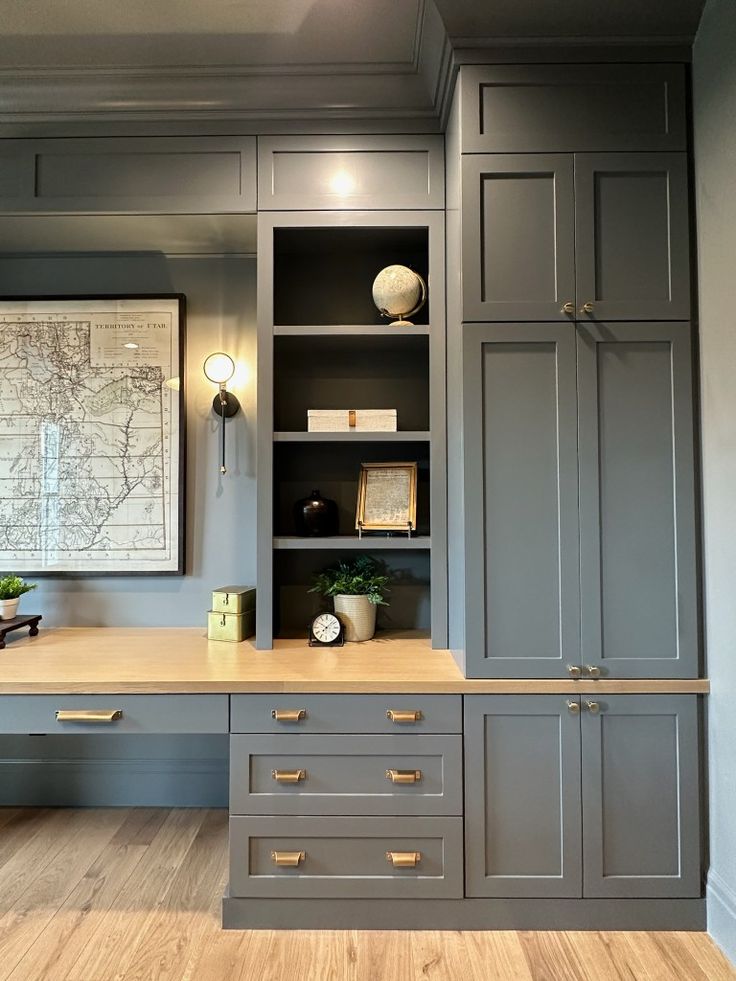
column 134, row 895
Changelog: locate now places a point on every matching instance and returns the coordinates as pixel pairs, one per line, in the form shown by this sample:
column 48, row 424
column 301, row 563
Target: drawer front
column 346, row 713
column 114, row 713
column 280, row 774
column 346, row 857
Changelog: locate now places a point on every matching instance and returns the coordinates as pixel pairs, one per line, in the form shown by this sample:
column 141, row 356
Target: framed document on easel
column 387, row 497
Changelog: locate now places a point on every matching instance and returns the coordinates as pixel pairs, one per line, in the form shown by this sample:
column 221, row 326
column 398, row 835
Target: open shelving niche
column 323, row 344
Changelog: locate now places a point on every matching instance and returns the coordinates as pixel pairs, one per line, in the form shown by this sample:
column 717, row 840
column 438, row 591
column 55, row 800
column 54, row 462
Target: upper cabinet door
column 518, row 237
column 637, row 512
column 631, row 225
column 521, row 518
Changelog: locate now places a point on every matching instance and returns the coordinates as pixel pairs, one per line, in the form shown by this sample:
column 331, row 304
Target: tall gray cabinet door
column 637, row 511
column 521, row 517
column 518, row 237
column 522, row 796
column 641, row 835
column 632, row 256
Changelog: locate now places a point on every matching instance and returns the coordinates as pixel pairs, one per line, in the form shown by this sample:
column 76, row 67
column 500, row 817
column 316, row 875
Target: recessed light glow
column 342, row 183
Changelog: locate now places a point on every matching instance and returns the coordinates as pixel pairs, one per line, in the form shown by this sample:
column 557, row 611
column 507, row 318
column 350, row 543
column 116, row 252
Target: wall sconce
column 220, row 368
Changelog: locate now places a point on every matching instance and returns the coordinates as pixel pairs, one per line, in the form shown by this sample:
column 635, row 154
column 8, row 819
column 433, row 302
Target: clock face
column 326, row 628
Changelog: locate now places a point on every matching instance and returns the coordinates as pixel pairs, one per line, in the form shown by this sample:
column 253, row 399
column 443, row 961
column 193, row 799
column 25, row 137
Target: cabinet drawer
column 346, row 857
column 420, row 774
column 346, row 713
column 116, row 713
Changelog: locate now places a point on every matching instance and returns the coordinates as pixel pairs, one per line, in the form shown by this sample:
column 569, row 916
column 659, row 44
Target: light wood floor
column 107, row 895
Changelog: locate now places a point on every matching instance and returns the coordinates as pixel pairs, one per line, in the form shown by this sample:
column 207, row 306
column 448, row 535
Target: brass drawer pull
column 404, row 776
column 288, row 860
column 288, row 715
column 89, row 715
column 289, row 776
column 404, row 860
column 395, row 715
column 592, row 671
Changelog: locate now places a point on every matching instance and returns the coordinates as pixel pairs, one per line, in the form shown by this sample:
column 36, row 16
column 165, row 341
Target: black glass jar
column 315, row 516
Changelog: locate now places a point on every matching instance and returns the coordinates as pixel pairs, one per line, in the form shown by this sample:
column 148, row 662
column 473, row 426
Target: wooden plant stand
column 7, row 625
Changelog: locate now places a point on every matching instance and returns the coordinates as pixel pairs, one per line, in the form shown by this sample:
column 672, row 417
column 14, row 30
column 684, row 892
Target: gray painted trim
column 721, row 904
column 463, row 914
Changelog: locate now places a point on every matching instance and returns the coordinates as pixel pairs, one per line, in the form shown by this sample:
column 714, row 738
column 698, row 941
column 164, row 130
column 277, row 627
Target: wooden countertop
column 166, row 660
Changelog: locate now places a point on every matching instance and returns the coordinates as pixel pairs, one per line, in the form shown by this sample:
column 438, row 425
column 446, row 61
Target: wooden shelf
column 402, row 436
column 357, row 330
column 352, row 543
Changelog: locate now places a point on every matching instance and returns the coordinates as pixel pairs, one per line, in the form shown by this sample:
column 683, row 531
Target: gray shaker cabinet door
column 641, row 797
column 521, row 539
column 632, row 255
column 522, row 796
column 518, row 237
column 637, row 512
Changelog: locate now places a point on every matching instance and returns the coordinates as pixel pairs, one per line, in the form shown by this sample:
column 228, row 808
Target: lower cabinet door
column 348, row 857
column 522, row 796
column 640, row 796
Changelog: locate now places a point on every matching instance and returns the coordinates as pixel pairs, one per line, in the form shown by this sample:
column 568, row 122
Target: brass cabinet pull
column 592, row 671
column 568, row 307
column 289, row 776
column 395, row 715
column 587, row 308
column 404, row 860
column 573, row 707
column 89, row 715
column 288, row 715
column 404, row 776
column 288, row 860
column 593, row 707
column 574, row 671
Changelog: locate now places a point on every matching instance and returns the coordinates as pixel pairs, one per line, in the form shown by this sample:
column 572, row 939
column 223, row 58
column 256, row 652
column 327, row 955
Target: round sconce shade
column 219, row 368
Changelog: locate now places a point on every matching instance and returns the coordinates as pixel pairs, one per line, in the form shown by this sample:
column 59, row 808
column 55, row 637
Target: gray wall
column 714, row 82
column 221, row 295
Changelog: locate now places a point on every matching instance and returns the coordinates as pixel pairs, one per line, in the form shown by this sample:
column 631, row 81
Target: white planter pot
column 358, row 615
column 9, row 608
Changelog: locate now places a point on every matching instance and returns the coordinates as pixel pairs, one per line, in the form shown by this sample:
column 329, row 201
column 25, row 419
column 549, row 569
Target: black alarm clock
column 326, row 630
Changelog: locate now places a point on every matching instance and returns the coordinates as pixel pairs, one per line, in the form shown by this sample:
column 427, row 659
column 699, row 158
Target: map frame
column 122, row 305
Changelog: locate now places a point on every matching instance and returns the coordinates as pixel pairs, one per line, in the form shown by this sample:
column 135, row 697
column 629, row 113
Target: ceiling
column 93, row 60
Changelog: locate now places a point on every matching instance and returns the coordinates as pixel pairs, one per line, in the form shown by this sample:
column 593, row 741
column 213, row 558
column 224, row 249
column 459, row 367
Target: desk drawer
column 129, row 713
column 279, row 774
column 346, row 713
column 346, row 857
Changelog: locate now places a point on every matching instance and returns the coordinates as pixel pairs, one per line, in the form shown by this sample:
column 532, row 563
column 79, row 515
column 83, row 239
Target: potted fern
column 357, row 587
column 11, row 590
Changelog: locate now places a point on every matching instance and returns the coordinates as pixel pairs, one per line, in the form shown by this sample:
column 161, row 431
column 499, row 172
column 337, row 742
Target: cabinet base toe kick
column 463, row 914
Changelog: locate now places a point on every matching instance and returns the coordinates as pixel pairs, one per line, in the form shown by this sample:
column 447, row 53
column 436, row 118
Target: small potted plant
column 11, row 590
column 357, row 587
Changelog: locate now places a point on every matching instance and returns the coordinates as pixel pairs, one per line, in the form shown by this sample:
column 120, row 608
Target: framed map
column 92, row 435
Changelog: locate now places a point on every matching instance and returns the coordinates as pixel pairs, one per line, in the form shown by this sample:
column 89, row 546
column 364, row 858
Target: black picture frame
column 181, row 312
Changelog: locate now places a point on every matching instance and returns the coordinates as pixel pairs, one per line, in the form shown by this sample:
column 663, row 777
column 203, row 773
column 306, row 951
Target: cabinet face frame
column 476, row 337
column 682, row 660
column 673, row 228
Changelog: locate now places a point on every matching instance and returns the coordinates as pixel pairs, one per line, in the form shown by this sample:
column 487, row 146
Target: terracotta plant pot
column 358, row 615
column 9, row 608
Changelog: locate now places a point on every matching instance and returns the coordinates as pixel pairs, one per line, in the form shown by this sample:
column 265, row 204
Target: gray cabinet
column 521, row 518
column 637, row 510
column 633, row 829
column 641, row 796
column 616, row 248
column 522, row 796
column 600, row 575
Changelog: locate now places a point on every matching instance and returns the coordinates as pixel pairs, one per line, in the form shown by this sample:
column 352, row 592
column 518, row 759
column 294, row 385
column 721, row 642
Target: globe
column 399, row 292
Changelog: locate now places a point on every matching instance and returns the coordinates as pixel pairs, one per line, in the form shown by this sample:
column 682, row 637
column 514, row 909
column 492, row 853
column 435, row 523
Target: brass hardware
column 289, row 776
column 592, row 671
column 352, row 418
column 288, row 715
column 404, row 860
column 574, row 671
column 573, row 708
column 404, row 776
column 396, row 715
column 89, row 715
column 288, row 860
column 587, row 308
column 593, row 707
column 568, row 307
